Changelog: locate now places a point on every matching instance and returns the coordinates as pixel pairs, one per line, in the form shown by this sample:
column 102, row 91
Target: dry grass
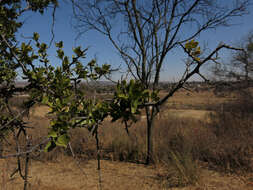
column 190, row 114
column 39, row 111
column 204, row 100
column 188, row 151
column 64, row 174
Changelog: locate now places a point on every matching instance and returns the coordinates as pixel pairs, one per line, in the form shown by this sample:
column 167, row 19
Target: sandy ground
column 39, row 111
column 67, row 174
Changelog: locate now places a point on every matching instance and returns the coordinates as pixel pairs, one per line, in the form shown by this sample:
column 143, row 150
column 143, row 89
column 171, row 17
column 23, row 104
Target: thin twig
column 12, row 120
column 27, row 158
column 14, row 54
column 76, row 161
column 98, row 160
column 46, row 140
column 52, row 27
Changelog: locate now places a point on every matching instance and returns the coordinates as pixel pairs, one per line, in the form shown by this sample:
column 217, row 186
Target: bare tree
column 145, row 31
column 242, row 61
column 239, row 68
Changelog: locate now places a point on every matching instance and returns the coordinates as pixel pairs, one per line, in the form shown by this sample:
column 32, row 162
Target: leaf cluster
column 129, row 99
column 57, row 85
column 193, row 49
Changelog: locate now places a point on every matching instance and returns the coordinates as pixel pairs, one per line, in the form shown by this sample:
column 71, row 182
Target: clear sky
column 102, row 49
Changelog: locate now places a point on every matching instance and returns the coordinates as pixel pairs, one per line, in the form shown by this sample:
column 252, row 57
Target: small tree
column 53, row 86
column 15, row 60
column 150, row 30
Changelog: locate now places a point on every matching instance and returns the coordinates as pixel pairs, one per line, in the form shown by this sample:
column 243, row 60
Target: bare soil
column 67, row 174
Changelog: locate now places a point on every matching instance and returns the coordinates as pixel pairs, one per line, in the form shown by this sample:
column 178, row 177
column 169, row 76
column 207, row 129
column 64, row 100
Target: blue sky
column 101, row 48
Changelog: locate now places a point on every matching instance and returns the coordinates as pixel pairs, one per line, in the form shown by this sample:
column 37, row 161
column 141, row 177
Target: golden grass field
column 66, row 173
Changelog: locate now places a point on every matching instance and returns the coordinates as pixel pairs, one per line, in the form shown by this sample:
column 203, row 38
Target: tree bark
column 150, row 126
column 1, row 148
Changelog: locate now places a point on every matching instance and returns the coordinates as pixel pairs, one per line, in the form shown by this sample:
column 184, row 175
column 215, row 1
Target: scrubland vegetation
column 186, row 149
column 58, row 134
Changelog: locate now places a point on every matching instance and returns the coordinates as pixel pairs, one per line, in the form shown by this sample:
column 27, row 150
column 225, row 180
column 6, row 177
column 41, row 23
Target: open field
column 198, row 100
column 185, row 124
column 65, row 174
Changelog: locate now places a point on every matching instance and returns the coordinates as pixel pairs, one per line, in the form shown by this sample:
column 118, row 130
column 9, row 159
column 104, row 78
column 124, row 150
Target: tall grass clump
column 122, row 146
column 232, row 128
column 174, row 150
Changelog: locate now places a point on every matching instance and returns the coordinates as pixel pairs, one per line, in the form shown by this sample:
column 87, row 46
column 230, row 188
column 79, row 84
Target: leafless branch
column 32, row 149
column 52, row 27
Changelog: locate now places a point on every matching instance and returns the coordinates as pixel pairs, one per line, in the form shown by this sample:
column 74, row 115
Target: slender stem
column 27, row 158
column 98, row 160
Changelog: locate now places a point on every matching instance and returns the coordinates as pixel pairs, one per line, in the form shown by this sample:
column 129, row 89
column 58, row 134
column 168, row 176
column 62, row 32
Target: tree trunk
column 247, row 74
column 1, row 148
column 150, row 123
column 98, row 159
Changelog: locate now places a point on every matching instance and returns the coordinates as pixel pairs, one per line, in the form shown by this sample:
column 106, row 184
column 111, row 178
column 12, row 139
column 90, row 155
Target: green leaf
column 194, row 44
column 44, row 100
column 92, row 63
column 33, row 76
column 191, row 45
column 98, row 70
column 187, row 45
column 78, row 51
column 59, row 44
column 58, row 102
column 198, row 51
column 52, row 134
column 36, row 36
column 50, row 146
column 65, row 63
column 60, row 53
column 134, row 106
column 23, row 46
column 123, row 96
column 43, row 47
column 62, row 140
